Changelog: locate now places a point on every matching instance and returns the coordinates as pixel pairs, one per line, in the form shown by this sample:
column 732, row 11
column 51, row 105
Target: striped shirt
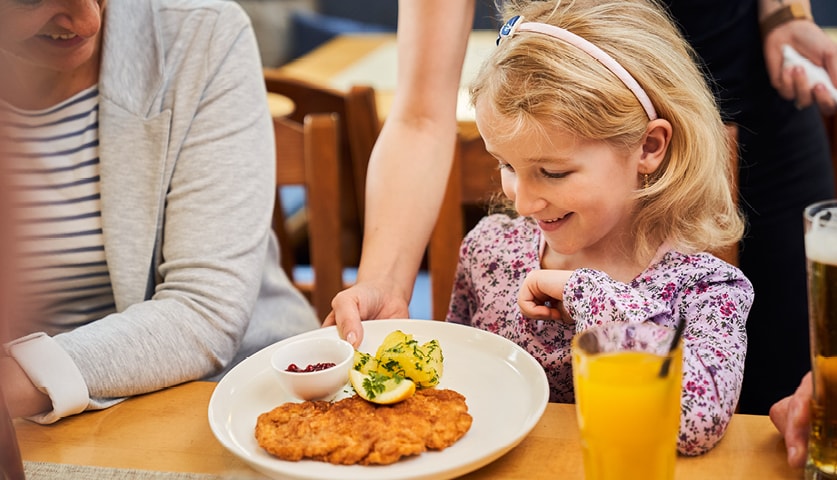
column 54, row 167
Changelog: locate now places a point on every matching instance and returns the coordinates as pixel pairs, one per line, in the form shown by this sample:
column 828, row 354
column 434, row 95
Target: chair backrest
column 730, row 254
column 359, row 128
column 474, row 180
column 308, row 154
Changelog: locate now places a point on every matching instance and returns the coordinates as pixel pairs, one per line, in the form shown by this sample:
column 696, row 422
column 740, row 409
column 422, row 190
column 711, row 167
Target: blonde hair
column 541, row 82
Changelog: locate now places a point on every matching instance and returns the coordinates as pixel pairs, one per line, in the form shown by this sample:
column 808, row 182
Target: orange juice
column 628, row 416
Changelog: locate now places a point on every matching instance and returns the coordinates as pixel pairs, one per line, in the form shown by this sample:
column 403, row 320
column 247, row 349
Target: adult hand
column 362, row 301
column 812, row 43
column 542, row 293
column 792, row 417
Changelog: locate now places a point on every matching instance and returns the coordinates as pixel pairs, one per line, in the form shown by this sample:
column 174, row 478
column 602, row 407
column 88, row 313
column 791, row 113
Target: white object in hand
column 814, row 73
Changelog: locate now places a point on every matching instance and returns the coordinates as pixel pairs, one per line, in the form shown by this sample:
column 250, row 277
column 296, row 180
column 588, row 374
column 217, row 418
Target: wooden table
column 169, row 431
column 323, row 64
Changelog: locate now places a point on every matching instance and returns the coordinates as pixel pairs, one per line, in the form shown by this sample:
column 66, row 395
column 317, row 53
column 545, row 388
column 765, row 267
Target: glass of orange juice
column 627, row 401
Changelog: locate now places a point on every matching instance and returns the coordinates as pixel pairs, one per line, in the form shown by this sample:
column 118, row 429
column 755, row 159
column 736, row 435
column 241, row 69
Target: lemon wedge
column 379, row 388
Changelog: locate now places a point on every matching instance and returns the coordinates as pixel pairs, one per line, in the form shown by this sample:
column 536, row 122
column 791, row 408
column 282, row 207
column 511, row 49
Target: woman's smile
column 61, row 40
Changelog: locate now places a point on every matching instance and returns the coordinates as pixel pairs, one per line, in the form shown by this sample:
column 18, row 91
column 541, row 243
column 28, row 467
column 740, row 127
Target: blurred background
column 825, row 12
column 287, row 29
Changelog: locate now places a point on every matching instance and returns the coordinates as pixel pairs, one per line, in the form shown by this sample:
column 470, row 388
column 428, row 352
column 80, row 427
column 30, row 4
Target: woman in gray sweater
column 143, row 160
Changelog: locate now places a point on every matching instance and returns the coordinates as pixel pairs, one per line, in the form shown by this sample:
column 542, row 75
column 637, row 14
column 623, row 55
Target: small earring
column 645, row 182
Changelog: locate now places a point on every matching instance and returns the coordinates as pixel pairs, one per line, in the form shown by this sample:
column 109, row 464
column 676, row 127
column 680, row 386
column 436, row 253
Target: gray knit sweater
column 187, row 181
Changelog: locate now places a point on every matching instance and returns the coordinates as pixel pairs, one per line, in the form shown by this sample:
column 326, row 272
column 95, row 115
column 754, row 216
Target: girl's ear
column 654, row 146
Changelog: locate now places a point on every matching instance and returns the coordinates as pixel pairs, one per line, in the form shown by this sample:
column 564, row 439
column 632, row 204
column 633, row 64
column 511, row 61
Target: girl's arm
column 714, row 298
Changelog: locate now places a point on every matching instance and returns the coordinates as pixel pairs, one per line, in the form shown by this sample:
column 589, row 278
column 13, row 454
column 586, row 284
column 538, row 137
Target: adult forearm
column 405, row 186
column 766, row 7
column 411, row 161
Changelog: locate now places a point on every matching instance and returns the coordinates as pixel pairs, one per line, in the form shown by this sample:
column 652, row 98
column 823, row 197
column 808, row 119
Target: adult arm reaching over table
column 410, row 163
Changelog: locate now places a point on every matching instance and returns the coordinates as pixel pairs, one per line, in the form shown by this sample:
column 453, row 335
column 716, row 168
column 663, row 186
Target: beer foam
column 821, row 245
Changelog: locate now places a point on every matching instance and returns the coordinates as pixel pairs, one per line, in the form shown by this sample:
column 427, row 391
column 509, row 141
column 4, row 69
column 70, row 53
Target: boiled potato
column 402, row 355
column 392, row 341
column 399, row 355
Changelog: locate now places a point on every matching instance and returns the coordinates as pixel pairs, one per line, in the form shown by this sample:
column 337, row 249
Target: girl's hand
column 541, row 296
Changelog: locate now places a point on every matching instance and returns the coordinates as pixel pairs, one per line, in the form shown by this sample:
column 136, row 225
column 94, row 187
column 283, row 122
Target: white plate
column 505, row 389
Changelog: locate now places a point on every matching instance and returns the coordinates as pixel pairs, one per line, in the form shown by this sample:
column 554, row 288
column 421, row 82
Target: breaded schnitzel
column 354, row 431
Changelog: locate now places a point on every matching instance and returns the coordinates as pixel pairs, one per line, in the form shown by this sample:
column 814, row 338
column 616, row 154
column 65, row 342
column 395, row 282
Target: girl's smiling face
column 581, row 192
column 58, row 36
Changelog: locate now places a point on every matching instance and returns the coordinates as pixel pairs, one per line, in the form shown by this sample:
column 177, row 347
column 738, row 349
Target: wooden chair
column 730, row 254
column 358, row 129
column 308, row 155
column 473, row 181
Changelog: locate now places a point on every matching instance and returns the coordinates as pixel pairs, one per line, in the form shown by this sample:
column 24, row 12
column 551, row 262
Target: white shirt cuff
column 53, row 372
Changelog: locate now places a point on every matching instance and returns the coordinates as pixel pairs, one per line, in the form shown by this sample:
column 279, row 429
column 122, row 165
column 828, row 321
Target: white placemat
column 63, row 471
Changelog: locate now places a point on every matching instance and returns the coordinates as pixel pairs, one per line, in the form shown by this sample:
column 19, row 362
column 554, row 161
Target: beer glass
column 627, row 402
column 821, row 255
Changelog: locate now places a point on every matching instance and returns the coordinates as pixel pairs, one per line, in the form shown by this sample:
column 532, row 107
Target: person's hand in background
column 792, row 417
column 807, row 38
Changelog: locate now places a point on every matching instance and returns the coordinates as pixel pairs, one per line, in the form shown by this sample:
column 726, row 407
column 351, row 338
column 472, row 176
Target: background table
column 371, row 59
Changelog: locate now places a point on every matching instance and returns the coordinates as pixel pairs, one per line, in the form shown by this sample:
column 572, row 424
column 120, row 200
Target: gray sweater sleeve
column 214, row 235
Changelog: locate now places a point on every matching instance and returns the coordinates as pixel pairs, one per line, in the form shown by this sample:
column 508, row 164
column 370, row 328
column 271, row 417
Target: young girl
column 617, row 164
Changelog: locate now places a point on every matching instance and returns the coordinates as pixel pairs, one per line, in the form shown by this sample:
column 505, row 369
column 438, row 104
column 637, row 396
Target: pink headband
column 514, row 25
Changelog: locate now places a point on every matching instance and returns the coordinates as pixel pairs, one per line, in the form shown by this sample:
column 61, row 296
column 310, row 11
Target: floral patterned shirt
column 713, row 296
